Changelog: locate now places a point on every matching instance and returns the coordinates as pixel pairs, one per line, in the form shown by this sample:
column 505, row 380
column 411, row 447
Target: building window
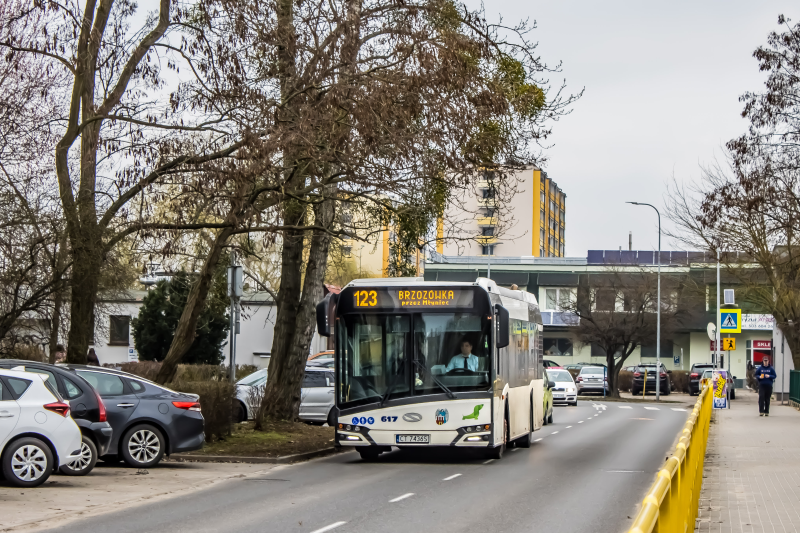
column 598, row 351
column 347, row 251
column 560, row 347
column 487, row 249
column 488, row 231
column 543, row 200
column 650, row 350
column 541, row 235
column 757, row 350
column 490, row 211
column 541, row 250
column 487, row 193
column 605, row 300
column 119, row 330
column 559, row 299
column 562, row 249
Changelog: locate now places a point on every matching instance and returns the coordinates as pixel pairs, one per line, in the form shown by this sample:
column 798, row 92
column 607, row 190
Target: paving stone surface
column 752, row 470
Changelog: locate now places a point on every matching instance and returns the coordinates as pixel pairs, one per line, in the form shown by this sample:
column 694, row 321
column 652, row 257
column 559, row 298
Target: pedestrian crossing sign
column 730, row 321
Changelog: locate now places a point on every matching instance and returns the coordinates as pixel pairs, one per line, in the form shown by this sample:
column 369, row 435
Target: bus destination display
column 412, row 298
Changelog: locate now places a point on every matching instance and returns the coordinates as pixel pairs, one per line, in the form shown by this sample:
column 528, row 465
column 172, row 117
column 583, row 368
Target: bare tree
column 616, row 312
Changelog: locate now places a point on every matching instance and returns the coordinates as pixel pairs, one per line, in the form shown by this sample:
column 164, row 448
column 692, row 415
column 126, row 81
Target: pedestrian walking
column 61, row 354
column 91, row 358
column 765, row 375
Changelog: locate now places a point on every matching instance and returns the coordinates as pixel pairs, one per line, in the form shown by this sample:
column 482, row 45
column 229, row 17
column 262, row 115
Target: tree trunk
column 287, row 366
column 792, row 334
column 86, row 265
column 195, row 302
column 58, row 297
column 613, row 374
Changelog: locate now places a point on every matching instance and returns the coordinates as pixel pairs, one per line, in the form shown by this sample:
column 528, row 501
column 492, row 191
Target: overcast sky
column 662, row 86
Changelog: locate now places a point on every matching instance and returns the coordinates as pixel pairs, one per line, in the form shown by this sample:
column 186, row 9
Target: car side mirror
column 502, row 339
column 551, row 384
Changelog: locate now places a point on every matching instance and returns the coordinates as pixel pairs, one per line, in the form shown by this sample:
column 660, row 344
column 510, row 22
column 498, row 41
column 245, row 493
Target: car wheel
column 142, row 446
column 331, row 418
column 550, row 418
column 27, row 462
column 83, row 464
column 574, row 404
column 241, row 415
column 634, row 392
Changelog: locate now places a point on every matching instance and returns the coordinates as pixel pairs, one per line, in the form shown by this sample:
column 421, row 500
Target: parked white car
column 565, row 390
column 37, row 433
column 316, row 395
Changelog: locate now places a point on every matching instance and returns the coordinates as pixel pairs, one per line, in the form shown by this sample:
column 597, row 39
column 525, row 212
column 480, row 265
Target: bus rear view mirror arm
column 502, row 327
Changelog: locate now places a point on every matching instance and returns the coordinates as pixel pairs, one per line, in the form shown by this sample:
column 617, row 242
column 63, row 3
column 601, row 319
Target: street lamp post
column 658, row 306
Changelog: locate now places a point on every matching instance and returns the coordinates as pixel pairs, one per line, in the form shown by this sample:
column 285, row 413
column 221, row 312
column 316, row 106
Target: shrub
column 217, row 403
column 680, row 379
column 625, row 380
column 149, row 370
column 26, row 352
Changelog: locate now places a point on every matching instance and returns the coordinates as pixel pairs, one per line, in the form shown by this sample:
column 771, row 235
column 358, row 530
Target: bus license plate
column 413, row 439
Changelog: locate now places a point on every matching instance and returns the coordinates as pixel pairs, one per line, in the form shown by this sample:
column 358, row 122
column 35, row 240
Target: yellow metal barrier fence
column 671, row 503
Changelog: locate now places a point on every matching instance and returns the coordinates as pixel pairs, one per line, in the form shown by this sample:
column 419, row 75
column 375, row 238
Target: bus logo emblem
column 441, row 416
column 412, row 417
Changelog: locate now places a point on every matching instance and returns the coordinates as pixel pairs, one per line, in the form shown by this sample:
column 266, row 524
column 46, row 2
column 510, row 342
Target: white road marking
column 580, row 421
column 567, row 427
column 451, row 477
column 553, row 433
column 403, row 497
column 328, row 528
column 625, row 407
column 487, row 462
column 537, row 440
column 677, row 409
column 652, row 408
column 599, row 406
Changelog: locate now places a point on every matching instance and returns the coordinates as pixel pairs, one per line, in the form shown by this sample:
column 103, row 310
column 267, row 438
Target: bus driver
column 465, row 359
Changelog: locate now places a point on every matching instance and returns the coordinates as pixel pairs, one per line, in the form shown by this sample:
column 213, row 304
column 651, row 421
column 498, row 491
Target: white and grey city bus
column 434, row 364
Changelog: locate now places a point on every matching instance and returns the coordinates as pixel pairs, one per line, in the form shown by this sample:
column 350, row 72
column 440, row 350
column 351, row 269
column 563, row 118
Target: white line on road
column 625, row 407
column 328, row 528
column 487, row 462
column 677, row 409
column 451, row 477
column 567, row 427
column 580, row 421
column 537, row 440
column 403, row 497
column 652, row 408
column 553, row 433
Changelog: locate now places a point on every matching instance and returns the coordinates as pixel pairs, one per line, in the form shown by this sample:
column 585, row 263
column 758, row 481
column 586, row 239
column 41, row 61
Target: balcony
column 486, row 240
column 487, row 221
column 487, row 202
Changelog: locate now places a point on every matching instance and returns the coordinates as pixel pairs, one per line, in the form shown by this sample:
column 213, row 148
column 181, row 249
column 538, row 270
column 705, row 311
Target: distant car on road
column 86, row 409
column 649, row 370
column 565, row 390
column 694, row 376
column 319, row 356
column 316, row 395
column 37, row 434
column 551, row 364
column 149, row 420
column 592, row 379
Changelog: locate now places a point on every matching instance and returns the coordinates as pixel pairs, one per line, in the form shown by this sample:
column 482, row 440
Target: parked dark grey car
column 86, row 407
column 149, row 420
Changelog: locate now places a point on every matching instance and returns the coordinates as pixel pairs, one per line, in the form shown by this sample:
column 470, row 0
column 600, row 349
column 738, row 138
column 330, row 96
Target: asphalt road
column 587, row 473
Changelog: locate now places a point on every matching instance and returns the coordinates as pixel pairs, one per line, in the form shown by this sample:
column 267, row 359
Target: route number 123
column 366, row 298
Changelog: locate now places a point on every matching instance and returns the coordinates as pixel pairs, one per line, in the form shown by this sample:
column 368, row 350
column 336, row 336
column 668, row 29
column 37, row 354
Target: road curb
column 188, row 458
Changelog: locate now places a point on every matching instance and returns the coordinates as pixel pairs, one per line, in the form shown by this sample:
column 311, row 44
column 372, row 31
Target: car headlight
column 571, row 390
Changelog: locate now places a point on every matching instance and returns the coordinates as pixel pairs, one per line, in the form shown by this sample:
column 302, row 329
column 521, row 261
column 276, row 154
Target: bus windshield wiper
column 450, row 393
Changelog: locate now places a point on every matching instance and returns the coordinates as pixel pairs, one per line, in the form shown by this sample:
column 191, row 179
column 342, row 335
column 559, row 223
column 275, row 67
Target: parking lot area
column 108, row 489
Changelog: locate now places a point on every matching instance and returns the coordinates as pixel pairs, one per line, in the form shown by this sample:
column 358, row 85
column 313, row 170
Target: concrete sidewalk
column 752, row 469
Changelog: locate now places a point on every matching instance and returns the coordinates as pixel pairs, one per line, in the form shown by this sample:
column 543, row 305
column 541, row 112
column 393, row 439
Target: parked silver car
column 316, row 395
column 592, row 379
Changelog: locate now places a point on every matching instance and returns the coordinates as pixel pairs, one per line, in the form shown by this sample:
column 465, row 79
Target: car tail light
column 58, row 407
column 637, row 374
column 579, row 378
column 101, row 407
column 694, row 375
column 663, row 374
column 189, row 406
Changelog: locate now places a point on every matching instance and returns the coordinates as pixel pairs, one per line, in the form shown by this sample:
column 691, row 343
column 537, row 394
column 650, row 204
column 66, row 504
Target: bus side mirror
column 325, row 313
column 502, row 326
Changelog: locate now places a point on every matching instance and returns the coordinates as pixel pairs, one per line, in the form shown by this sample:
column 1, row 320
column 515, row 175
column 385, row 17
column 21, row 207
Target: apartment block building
column 526, row 220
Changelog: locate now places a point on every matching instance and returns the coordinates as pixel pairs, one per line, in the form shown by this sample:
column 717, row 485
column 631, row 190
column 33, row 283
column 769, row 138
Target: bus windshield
column 388, row 356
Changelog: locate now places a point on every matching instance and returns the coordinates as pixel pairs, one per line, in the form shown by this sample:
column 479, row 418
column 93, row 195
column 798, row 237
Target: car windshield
column 592, row 370
column 390, row 355
column 255, row 379
column 559, row 375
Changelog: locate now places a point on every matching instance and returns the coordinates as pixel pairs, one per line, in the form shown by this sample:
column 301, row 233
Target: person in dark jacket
column 765, row 375
column 91, row 358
